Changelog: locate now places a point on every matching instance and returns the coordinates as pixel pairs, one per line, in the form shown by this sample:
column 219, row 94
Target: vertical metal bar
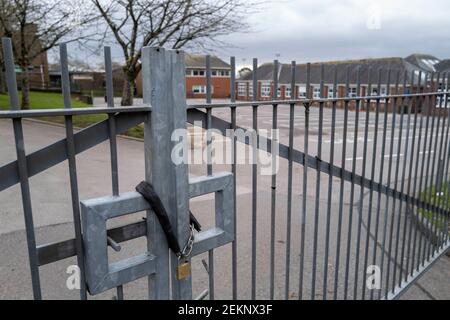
column 164, row 84
column 372, row 180
column 10, row 72
column 423, row 207
column 234, row 171
column 439, row 177
column 305, row 184
column 432, row 198
column 445, row 159
column 388, row 183
column 22, row 167
column 254, row 177
column 233, row 79
column 330, row 188
column 109, row 78
column 290, row 180
column 111, row 122
column 352, row 187
column 341, row 190
column 112, row 134
column 208, row 115
column 419, row 208
column 397, row 175
column 209, row 168
column 416, row 168
column 383, row 150
column 426, row 191
column 361, row 198
column 209, row 163
column 211, row 274
column 317, row 200
column 274, row 180
column 403, row 180
column 119, row 292
column 439, row 230
column 208, row 79
column 412, row 243
column 65, row 81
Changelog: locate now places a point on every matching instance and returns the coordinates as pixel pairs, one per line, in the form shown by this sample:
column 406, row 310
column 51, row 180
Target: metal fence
column 315, row 229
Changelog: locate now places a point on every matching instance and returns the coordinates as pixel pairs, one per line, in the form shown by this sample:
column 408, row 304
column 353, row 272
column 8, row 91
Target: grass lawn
column 441, row 200
column 50, row 100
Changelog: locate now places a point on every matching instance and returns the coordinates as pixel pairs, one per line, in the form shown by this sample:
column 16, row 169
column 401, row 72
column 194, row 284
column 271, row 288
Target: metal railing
column 385, row 210
column 410, row 242
column 26, row 166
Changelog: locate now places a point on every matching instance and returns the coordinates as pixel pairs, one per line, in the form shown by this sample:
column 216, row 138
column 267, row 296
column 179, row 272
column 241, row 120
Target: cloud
column 320, row 30
column 315, row 30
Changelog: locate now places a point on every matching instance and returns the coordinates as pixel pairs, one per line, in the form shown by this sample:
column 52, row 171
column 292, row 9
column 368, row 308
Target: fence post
column 164, row 89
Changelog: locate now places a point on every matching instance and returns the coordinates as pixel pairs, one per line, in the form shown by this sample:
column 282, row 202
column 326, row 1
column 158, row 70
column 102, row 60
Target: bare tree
column 36, row 26
column 169, row 23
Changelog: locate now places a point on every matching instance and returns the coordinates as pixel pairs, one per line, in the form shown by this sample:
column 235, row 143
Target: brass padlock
column 183, row 270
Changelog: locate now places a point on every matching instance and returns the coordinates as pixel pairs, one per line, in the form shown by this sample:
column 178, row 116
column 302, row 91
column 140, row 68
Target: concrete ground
column 53, row 215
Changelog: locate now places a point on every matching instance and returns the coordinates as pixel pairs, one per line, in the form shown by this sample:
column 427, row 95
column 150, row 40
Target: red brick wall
column 221, row 86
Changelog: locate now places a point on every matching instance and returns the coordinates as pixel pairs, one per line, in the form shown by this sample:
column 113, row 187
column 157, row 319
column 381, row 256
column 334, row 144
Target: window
column 265, row 90
column 188, row 72
column 220, row 73
column 301, row 92
column 279, row 92
column 250, row 90
column 330, row 92
column 242, row 89
column 316, row 92
column 287, row 92
column 441, row 100
column 198, row 73
column 201, row 89
column 376, row 93
column 352, row 92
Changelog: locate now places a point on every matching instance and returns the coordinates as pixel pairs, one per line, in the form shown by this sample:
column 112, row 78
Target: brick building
column 196, row 77
column 409, row 66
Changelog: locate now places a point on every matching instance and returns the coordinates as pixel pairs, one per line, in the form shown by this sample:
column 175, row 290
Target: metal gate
column 316, row 228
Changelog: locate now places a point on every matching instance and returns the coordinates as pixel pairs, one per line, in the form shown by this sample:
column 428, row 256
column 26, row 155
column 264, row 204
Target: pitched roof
column 443, row 66
column 425, row 62
column 397, row 65
column 199, row 61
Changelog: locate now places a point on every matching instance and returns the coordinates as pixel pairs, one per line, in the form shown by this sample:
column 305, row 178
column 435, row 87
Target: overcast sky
column 318, row 30
column 321, row 30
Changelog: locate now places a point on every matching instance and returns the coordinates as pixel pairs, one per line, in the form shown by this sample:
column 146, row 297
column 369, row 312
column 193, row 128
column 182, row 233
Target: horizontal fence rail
column 358, row 208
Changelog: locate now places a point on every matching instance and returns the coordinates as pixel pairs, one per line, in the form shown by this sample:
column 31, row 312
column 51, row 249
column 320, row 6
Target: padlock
column 183, row 270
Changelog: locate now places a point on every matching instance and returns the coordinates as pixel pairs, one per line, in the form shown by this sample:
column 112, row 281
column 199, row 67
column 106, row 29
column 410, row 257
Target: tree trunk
column 128, row 88
column 25, row 83
column 2, row 82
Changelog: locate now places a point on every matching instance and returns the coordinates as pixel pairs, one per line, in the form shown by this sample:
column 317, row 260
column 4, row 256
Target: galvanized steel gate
column 395, row 220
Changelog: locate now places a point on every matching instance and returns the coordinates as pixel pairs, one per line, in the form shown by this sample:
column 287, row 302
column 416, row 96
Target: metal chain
column 187, row 250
